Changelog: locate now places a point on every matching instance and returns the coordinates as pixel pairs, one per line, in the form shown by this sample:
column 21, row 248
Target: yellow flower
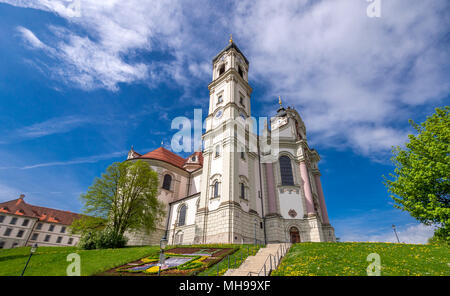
column 152, row 269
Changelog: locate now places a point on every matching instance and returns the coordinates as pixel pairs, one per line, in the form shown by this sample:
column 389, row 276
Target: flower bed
column 178, row 261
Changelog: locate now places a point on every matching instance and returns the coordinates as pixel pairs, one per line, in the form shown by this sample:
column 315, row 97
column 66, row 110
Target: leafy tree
column 87, row 224
column 421, row 182
column 126, row 197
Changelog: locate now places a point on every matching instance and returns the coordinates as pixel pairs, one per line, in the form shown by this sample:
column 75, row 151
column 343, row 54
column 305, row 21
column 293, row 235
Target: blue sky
column 80, row 84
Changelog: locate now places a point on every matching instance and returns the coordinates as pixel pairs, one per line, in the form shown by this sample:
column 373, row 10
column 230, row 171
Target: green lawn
column 51, row 261
column 349, row 259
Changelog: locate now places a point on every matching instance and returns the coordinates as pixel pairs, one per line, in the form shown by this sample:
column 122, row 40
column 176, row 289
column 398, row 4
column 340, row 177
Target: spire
column 231, row 38
column 281, row 111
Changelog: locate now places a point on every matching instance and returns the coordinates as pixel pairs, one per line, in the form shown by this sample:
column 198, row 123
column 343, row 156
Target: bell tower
column 229, row 200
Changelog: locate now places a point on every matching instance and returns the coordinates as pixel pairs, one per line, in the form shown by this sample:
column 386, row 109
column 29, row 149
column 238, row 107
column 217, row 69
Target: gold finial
column 279, row 100
column 162, row 143
column 231, row 38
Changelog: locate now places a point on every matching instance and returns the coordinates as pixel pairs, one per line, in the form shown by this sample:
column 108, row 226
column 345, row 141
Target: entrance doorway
column 295, row 235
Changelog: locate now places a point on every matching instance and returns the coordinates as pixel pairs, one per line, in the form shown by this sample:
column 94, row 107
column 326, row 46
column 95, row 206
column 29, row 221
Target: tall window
column 242, row 190
column 167, row 182
column 35, row 236
column 217, row 150
column 13, row 221
column 2, row 218
column 240, row 72
column 182, row 216
column 25, row 222
column 216, row 189
column 39, row 226
column 286, row 171
column 221, row 70
column 51, row 227
column 20, row 233
column 219, row 99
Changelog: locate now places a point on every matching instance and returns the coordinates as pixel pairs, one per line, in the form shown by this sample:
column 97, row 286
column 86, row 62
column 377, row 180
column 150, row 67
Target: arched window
column 221, row 70
column 182, row 216
column 286, row 171
column 216, row 189
column 167, row 182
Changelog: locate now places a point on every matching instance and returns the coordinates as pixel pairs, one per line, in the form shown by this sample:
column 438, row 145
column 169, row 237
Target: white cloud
column 30, row 38
column 350, row 76
column 354, row 79
column 90, row 159
column 412, row 234
column 48, row 127
column 376, row 226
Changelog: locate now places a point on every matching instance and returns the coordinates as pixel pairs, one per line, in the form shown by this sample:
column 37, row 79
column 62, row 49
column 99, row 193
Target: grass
column 234, row 260
column 52, row 261
column 350, row 259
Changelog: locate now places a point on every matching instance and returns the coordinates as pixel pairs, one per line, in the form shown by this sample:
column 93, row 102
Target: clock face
column 219, row 114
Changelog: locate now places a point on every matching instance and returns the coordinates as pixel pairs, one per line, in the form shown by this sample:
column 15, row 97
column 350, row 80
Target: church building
column 236, row 190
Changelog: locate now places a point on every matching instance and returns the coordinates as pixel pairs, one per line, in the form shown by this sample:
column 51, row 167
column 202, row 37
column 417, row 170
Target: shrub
column 105, row 239
column 88, row 241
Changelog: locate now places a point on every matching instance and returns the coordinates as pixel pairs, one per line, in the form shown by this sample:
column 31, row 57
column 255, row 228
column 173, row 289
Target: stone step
column 255, row 263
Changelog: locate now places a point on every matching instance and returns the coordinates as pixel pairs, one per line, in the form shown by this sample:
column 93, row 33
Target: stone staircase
column 266, row 260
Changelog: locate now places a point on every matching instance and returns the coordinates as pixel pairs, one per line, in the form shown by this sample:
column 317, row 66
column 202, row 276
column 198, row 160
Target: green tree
column 421, row 183
column 126, row 197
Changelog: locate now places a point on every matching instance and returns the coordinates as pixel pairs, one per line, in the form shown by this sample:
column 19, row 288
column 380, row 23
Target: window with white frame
column 167, row 182
column 182, row 216
column 8, row 232
column 20, row 233
column 217, row 151
column 287, row 177
column 215, row 189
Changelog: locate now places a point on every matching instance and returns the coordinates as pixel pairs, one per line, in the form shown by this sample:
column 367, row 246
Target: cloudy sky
column 83, row 80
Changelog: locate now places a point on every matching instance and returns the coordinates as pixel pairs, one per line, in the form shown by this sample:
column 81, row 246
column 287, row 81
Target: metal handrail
column 282, row 251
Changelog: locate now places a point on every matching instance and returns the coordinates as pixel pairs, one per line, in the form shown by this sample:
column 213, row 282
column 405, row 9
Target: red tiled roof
column 20, row 207
column 165, row 155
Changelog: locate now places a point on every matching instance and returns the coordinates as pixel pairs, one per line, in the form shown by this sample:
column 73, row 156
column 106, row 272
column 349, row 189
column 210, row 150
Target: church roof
column 20, row 207
column 231, row 45
column 165, row 155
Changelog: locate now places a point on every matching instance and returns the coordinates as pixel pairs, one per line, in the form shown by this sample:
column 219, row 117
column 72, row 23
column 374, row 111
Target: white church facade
column 236, row 190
